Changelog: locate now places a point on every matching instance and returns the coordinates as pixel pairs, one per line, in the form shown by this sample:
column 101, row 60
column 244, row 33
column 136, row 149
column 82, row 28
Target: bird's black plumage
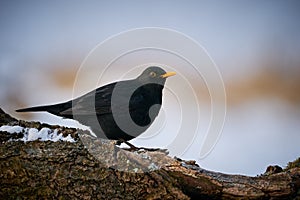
column 117, row 111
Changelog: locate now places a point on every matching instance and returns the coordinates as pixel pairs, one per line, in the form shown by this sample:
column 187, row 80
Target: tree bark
column 65, row 170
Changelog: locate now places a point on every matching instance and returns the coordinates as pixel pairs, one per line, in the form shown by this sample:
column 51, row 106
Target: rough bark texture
column 64, row 170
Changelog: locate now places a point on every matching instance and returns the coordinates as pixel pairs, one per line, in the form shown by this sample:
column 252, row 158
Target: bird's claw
column 134, row 148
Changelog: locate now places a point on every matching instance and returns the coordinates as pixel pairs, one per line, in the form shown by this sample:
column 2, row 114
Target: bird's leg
column 118, row 142
column 134, row 148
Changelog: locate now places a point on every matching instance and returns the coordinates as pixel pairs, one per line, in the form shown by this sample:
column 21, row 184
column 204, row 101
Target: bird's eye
column 152, row 74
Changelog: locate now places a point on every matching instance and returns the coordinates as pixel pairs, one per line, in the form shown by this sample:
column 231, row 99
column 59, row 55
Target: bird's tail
column 48, row 108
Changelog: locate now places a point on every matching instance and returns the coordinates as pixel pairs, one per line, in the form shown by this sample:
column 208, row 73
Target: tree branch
column 64, row 170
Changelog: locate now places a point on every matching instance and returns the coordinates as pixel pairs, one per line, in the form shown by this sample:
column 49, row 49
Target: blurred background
column 255, row 44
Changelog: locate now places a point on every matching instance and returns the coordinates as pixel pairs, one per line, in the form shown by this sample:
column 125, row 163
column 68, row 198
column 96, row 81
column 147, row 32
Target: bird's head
column 155, row 75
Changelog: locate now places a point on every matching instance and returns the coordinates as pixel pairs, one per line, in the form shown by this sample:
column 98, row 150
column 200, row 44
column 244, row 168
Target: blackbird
column 117, row 111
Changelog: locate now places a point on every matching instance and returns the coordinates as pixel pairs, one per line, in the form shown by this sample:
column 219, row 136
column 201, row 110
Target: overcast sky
column 238, row 35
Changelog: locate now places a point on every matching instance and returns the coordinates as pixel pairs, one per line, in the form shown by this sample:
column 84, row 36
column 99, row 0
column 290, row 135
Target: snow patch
column 32, row 134
column 12, row 129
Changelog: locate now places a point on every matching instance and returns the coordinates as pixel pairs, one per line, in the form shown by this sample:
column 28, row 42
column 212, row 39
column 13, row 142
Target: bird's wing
column 94, row 102
column 100, row 101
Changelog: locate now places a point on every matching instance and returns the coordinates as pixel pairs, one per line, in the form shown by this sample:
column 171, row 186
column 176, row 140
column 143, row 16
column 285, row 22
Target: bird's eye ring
column 152, row 74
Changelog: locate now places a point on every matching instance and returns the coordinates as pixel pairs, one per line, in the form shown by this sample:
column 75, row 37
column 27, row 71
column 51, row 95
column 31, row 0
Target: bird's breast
column 144, row 106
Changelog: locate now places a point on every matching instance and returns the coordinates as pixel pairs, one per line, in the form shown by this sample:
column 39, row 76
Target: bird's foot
column 134, row 148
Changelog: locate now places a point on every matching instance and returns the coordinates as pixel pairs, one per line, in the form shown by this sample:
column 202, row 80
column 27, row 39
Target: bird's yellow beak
column 168, row 74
